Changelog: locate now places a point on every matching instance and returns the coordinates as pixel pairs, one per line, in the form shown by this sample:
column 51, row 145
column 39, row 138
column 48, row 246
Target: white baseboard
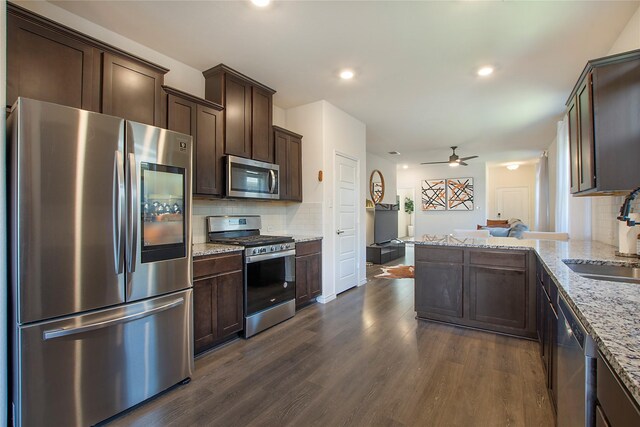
column 363, row 282
column 322, row 299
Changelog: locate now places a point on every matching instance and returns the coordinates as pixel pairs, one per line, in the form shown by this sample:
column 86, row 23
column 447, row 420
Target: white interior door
column 346, row 215
column 513, row 202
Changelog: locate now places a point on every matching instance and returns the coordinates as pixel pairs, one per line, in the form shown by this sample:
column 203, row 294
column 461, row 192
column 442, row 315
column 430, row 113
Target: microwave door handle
column 272, row 181
column 133, row 213
column 118, row 215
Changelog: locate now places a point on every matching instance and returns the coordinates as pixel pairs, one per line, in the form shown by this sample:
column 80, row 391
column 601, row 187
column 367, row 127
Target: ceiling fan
column 454, row 160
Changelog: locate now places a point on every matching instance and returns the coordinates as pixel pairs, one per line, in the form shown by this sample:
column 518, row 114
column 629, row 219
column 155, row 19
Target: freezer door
column 67, row 207
column 158, row 211
column 82, row 370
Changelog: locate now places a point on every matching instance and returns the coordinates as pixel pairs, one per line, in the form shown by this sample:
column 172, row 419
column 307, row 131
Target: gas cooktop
column 251, row 241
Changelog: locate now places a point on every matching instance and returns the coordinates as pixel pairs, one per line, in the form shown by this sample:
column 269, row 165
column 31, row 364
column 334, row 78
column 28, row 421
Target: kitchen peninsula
column 607, row 310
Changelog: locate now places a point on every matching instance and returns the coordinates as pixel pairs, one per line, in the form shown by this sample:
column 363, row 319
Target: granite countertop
column 301, row 238
column 609, row 311
column 202, row 249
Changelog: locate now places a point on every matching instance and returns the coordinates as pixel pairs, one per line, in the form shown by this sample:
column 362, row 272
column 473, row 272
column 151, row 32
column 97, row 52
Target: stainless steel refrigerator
column 100, row 263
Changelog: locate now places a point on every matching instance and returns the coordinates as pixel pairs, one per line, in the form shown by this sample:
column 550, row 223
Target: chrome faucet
column 626, row 207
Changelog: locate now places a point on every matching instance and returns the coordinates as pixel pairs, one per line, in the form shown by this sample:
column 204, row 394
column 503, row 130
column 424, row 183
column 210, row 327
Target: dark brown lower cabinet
column 480, row 288
column 614, row 405
column 547, row 328
column 217, row 300
column 308, row 272
column 440, row 289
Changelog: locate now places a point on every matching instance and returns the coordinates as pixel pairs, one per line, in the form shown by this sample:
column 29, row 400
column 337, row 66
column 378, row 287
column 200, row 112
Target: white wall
column 279, row 117
column 629, row 38
column 345, row 135
column 552, row 156
column 307, row 121
column 604, row 210
column 389, row 172
column 501, row 177
column 444, row 222
column 181, row 76
column 327, row 130
column 3, row 224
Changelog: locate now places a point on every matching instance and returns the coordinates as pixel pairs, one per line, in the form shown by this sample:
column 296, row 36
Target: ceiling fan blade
column 467, row 158
column 432, row 163
column 463, row 163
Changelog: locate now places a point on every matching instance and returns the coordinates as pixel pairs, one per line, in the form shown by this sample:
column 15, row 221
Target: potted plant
column 408, row 208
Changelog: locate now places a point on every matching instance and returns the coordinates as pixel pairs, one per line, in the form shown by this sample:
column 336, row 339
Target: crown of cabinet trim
column 283, row 130
column 224, row 69
column 184, row 95
column 601, row 62
column 28, row 15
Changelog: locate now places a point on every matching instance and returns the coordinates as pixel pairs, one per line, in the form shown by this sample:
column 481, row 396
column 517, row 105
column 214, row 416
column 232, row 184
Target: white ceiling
column 415, row 88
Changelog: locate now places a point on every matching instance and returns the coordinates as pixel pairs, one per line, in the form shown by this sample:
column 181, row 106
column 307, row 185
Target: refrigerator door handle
column 63, row 332
column 118, row 216
column 133, row 213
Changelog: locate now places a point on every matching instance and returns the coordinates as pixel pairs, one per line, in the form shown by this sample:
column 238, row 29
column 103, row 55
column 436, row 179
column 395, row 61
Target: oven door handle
column 262, row 257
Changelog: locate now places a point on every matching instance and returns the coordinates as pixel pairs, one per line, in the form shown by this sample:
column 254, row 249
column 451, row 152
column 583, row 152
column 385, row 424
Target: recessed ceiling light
column 261, row 3
column 405, row 166
column 346, row 74
column 485, row 71
column 513, row 166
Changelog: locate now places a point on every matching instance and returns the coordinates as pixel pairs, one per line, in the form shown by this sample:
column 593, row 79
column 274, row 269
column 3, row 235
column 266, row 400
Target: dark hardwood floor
column 362, row 360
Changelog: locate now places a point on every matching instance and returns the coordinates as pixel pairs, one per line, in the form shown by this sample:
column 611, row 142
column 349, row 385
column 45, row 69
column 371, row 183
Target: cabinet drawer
column 307, row 248
column 498, row 258
column 433, row 254
column 216, row 264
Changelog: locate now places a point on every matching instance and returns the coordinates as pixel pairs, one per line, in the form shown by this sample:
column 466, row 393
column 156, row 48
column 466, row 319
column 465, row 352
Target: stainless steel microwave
column 252, row 179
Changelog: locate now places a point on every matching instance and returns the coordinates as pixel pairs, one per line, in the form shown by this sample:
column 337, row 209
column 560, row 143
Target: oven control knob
column 273, row 248
column 283, row 247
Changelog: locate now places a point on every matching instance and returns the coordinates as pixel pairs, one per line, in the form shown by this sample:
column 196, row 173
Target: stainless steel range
column 270, row 276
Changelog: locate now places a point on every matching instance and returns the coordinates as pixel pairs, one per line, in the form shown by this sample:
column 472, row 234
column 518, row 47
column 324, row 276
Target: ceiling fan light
column 454, row 164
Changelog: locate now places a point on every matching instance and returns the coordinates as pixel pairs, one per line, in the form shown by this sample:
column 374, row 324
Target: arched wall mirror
column 376, row 186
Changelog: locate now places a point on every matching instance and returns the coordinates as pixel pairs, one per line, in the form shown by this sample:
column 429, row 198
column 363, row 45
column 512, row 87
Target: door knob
column 339, row 231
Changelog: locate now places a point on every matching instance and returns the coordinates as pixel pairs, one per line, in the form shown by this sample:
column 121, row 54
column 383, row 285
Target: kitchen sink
column 611, row 272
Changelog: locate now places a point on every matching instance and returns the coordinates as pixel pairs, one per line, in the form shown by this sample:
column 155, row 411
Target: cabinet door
column 587, row 161
column 498, row 296
column 294, row 160
column 315, row 275
column 208, row 156
column 237, row 113
column 261, row 119
column 181, row 115
column 230, row 312
column 440, row 290
column 49, row 66
column 552, row 363
column 205, row 321
column 282, row 154
column 302, row 277
column 574, row 148
column 131, row 90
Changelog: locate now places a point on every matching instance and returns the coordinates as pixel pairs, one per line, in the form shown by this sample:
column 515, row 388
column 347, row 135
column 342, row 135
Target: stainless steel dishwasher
column 576, row 371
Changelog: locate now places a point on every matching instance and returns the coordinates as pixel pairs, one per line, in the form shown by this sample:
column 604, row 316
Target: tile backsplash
column 604, row 211
column 277, row 217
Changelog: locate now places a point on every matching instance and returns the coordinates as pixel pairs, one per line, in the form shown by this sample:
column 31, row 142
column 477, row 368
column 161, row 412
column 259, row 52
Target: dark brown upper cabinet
column 288, row 155
column 248, row 112
column 131, row 90
column 50, row 62
column 604, row 129
column 202, row 120
column 49, row 65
